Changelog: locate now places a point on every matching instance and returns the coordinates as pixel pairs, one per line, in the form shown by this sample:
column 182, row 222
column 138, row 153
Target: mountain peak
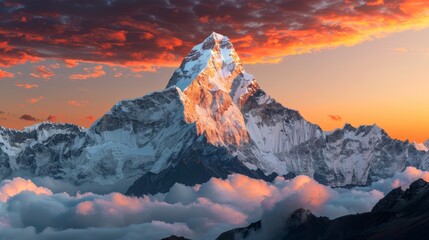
column 215, row 57
column 213, row 86
column 216, row 37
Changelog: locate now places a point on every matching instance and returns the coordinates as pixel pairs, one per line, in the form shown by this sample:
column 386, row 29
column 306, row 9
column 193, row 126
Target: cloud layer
column 150, row 34
column 199, row 212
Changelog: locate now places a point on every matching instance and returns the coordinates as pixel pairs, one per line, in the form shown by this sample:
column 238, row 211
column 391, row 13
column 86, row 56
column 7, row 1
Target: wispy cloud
column 336, row 118
column 78, row 103
column 35, row 99
column 52, row 118
column 95, row 72
column 42, row 71
column 5, row 74
column 26, row 85
column 90, row 118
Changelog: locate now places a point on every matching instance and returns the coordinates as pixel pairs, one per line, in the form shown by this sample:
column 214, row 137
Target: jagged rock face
column 230, row 109
column 206, row 77
column 354, row 156
column 135, row 137
column 43, row 149
column 414, row 200
column 274, row 130
column 210, row 106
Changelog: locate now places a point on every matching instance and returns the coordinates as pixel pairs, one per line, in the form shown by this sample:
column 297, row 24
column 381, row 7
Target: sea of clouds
column 38, row 210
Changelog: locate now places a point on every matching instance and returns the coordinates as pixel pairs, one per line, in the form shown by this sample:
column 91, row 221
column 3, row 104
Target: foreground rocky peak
column 401, row 214
column 409, row 201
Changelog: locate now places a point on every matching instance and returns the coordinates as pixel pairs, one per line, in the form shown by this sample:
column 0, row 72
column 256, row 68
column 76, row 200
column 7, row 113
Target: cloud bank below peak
column 202, row 211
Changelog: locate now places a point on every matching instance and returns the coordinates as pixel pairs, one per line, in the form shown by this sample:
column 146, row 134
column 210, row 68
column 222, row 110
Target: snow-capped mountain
column 212, row 119
column 353, row 156
column 42, row 149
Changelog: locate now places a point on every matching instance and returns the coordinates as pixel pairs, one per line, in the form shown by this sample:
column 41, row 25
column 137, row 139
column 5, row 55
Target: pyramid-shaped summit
column 214, row 64
column 217, row 52
column 214, row 84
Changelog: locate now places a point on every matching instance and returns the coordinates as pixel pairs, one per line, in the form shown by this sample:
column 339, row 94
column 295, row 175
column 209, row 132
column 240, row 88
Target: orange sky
column 361, row 62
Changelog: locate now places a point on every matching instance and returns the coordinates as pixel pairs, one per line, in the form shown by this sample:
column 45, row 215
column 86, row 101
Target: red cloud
column 42, row 72
column 78, row 103
column 35, row 99
column 26, row 85
column 96, row 72
column 51, row 118
column 10, row 55
column 5, row 74
column 90, row 118
column 145, row 36
column 169, row 43
column 335, row 118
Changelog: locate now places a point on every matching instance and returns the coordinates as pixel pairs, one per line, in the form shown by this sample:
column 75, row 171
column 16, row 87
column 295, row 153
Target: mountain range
column 211, row 120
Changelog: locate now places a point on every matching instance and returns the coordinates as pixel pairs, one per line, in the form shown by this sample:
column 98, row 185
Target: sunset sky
column 361, row 62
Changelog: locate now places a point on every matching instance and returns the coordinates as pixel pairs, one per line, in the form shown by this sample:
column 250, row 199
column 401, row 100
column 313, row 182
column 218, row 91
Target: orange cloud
column 78, row 103
column 169, row 43
column 15, row 186
column 71, row 63
column 335, row 118
column 90, row 118
column 150, row 37
column 35, row 99
column 10, row 56
column 51, row 118
column 85, row 208
column 42, row 72
column 96, row 72
column 5, row 74
column 26, row 85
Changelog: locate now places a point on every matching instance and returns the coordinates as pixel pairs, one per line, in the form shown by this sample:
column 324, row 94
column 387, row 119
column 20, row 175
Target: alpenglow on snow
column 211, row 120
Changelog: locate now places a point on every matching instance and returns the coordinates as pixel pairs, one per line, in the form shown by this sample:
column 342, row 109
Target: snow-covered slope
column 42, row 149
column 422, row 146
column 211, row 120
column 353, row 156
